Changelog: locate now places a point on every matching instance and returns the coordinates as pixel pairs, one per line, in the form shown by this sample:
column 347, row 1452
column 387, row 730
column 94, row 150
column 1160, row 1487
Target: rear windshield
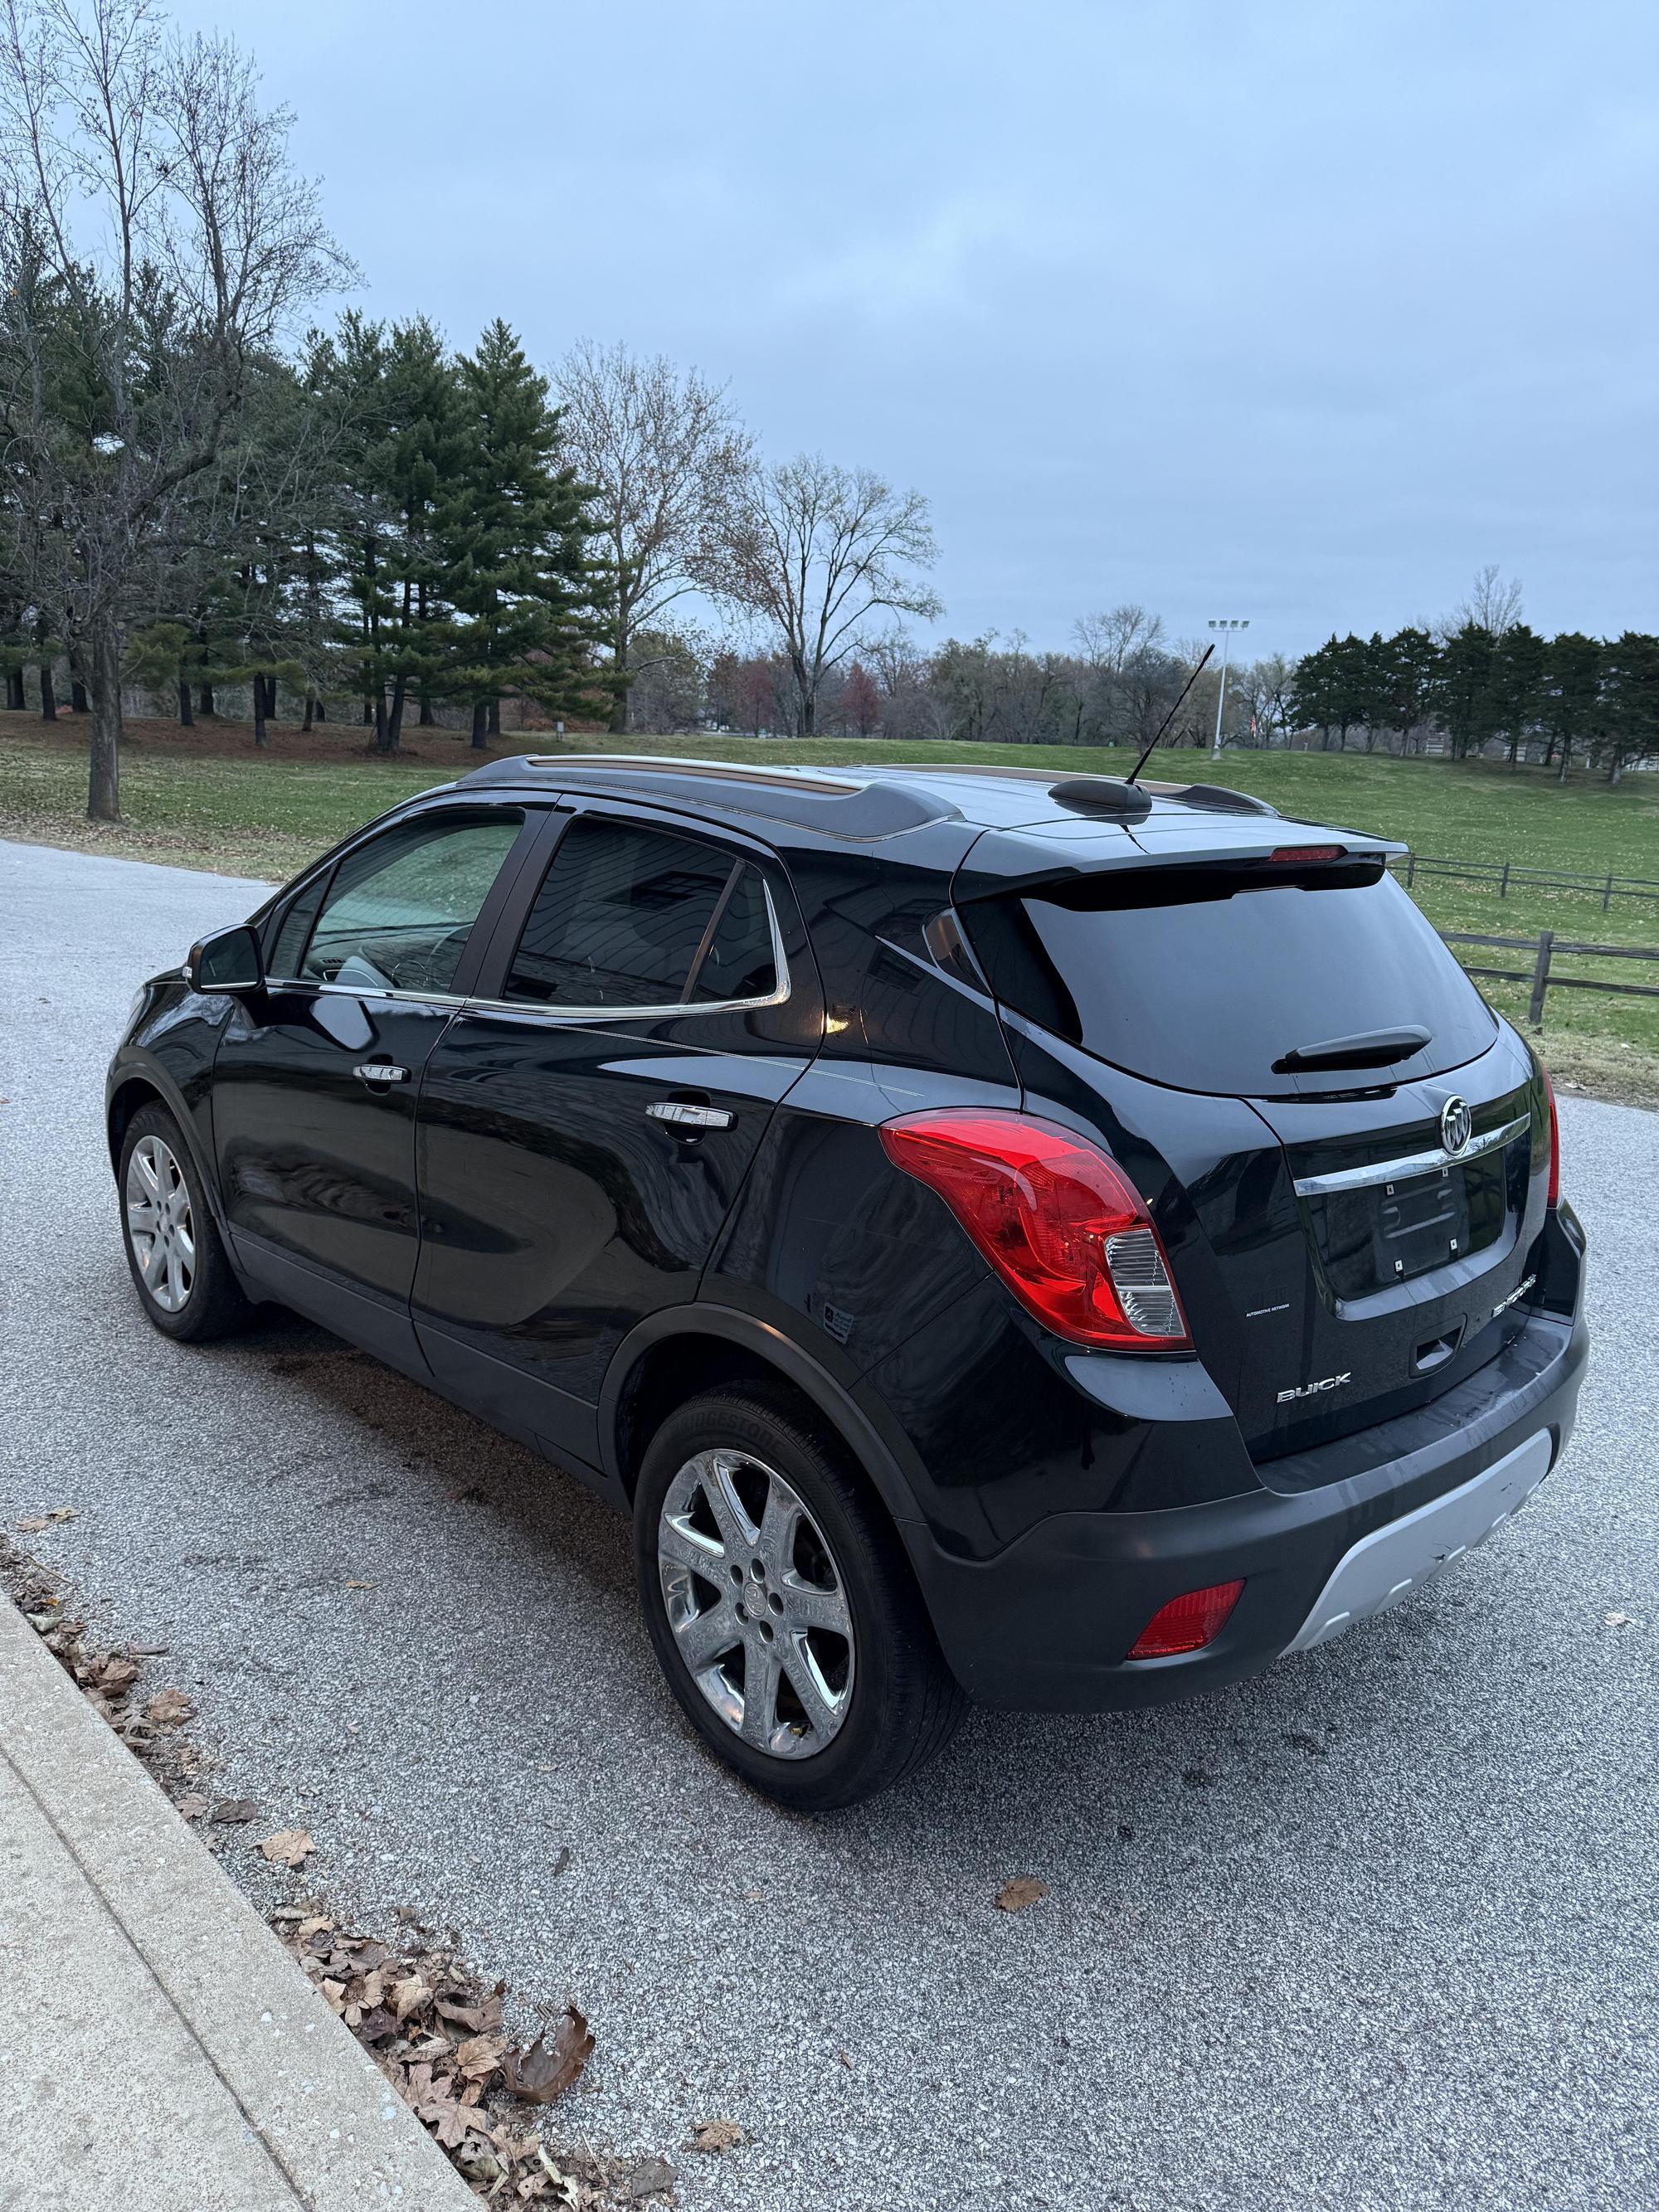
column 1202, row 978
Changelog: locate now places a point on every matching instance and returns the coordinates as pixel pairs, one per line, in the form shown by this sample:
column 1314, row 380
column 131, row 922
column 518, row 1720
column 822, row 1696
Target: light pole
column 1226, row 626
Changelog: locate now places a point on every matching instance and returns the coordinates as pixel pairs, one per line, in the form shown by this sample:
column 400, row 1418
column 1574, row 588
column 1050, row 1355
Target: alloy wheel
column 757, row 1606
column 161, row 1228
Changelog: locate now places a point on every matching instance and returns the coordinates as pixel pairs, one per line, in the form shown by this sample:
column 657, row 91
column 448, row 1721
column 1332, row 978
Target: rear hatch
column 1343, row 1147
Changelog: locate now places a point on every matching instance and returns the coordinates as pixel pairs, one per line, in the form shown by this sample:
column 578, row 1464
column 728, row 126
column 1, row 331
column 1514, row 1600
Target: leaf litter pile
column 441, row 2040
column 438, row 2032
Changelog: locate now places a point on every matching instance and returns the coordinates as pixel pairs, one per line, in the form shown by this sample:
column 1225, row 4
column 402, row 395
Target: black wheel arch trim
column 141, row 1072
column 796, row 1365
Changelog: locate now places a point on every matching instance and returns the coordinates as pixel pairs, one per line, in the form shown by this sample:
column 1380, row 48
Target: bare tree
column 1265, row 689
column 1493, row 605
column 816, row 550
column 663, row 452
column 154, row 240
column 1124, row 665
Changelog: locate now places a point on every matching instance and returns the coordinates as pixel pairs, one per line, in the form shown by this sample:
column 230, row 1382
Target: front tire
column 781, row 1604
column 179, row 1266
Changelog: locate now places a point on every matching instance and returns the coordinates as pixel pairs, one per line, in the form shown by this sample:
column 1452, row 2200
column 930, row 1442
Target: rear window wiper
column 1369, row 1048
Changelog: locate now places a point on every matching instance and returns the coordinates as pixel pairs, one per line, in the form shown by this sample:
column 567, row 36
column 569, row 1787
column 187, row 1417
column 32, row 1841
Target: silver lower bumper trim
column 1392, row 1562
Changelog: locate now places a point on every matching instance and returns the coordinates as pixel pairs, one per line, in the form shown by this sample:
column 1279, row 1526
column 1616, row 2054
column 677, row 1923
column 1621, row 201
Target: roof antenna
column 1173, row 712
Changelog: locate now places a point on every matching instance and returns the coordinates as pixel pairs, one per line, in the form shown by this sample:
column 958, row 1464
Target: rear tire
column 781, row 1607
column 179, row 1266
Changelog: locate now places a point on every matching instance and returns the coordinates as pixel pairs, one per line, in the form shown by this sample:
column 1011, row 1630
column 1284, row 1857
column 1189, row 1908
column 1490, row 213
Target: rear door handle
column 379, row 1071
column 679, row 1114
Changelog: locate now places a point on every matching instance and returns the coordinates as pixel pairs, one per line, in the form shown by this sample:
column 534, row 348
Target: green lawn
column 266, row 815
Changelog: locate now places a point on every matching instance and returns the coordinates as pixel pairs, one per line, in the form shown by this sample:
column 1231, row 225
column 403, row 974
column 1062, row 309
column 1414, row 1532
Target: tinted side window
column 289, row 945
column 621, row 916
column 739, row 961
column 400, row 908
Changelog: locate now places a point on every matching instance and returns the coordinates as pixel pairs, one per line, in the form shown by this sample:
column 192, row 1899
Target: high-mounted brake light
column 1059, row 1220
column 1187, row 1623
column 1293, row 856
column 1555, row 1195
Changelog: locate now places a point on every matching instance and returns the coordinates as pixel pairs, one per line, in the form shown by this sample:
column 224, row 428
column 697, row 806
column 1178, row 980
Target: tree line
column 1563, row 698
column 201, row 495
column 193, row 498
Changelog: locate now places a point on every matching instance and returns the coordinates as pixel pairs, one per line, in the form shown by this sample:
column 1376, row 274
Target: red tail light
column 1189, row 1623
column 1554, row 1198
column 1059, row 1222
column 1284, row 856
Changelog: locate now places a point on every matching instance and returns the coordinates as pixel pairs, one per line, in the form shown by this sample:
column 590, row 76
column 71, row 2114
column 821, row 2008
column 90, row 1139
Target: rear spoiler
column 1039, row 855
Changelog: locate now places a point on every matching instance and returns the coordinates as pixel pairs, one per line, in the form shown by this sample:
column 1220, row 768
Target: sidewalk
column 159, row 2050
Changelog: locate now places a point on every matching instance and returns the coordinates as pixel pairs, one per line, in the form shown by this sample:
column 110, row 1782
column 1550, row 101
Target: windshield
column 1203, row 978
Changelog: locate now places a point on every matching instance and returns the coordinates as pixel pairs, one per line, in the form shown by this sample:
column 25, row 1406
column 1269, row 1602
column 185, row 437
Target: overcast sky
column 1299, row 309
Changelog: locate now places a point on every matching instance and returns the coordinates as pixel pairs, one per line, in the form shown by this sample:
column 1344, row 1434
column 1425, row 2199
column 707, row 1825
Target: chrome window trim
column 350, row 991
column 567, row 1014
column 1414, row 1164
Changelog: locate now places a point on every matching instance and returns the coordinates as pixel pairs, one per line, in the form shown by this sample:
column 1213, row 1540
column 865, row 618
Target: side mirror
column 228, row 961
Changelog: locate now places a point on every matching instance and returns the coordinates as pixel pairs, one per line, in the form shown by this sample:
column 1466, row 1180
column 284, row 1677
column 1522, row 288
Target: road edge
column 341, row 2135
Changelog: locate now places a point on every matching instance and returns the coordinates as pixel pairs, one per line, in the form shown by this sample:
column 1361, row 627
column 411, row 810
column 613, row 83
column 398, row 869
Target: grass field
column 207, row 799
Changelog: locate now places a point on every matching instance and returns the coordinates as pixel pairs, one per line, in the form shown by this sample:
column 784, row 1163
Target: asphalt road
column 1376, row 1930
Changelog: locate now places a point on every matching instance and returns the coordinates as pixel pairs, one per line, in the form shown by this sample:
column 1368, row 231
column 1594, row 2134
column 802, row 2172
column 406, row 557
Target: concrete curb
column 159, row 2049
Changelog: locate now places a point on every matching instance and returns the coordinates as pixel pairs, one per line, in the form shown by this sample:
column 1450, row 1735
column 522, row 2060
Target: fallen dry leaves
column 441, row 2040
column 168, row 1708
column 289, row 1847
column 547, row 2070
column 715, row 2135
column 1024, row 1889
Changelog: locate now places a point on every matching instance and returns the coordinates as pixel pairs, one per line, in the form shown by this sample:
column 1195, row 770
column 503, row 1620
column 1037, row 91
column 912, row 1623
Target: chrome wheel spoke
column 745, row 1568
column 822, row 1705
column 707, row 1635
column 805, row 1606
column 777, row 1528
column 737, row 1530
column 678, row 1541
column 760, row 1695
column 185, row 1245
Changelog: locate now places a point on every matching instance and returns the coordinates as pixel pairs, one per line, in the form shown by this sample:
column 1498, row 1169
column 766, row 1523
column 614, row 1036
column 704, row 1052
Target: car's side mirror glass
column 228, row 961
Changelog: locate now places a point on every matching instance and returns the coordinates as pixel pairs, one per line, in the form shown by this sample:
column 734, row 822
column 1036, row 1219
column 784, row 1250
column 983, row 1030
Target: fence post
column 1504, row 887
column 1411, row 870
column 1606, row 895
column 1540, row 977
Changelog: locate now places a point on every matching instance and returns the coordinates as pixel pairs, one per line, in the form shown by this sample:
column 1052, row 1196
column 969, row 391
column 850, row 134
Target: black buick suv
column 1056, row 1242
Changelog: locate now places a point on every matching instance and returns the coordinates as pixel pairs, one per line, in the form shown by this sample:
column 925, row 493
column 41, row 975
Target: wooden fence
column 1500, row 874
column 1545, row 948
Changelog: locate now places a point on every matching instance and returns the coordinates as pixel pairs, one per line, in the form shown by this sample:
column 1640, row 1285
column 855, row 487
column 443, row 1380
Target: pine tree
column 1571, row 693
column 1406, row 689
column 512, row 533
column 1518, row 678
column 1629, row 730
column 1463, row 698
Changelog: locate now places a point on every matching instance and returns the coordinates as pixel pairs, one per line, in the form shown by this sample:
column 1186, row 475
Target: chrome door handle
column 379, row 1071
column 680, row 1115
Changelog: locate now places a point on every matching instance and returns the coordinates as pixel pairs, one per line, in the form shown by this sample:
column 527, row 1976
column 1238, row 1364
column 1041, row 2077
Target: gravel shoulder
column 1377, row 1930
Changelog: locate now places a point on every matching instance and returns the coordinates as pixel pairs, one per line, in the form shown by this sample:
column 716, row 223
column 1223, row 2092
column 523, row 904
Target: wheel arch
column 675, row 1355
column 141, row 1086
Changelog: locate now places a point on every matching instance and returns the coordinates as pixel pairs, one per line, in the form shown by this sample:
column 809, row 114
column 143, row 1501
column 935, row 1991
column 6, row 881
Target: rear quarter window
column 1202, row 978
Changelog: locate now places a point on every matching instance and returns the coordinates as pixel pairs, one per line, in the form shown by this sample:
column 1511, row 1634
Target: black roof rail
column 858, row 806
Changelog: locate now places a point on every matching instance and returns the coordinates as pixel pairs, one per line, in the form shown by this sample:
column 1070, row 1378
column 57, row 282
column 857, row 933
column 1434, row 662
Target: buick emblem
column 1456, row 1124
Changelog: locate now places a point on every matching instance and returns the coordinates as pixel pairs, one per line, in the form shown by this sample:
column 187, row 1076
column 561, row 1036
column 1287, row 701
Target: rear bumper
column 1046, row 1625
